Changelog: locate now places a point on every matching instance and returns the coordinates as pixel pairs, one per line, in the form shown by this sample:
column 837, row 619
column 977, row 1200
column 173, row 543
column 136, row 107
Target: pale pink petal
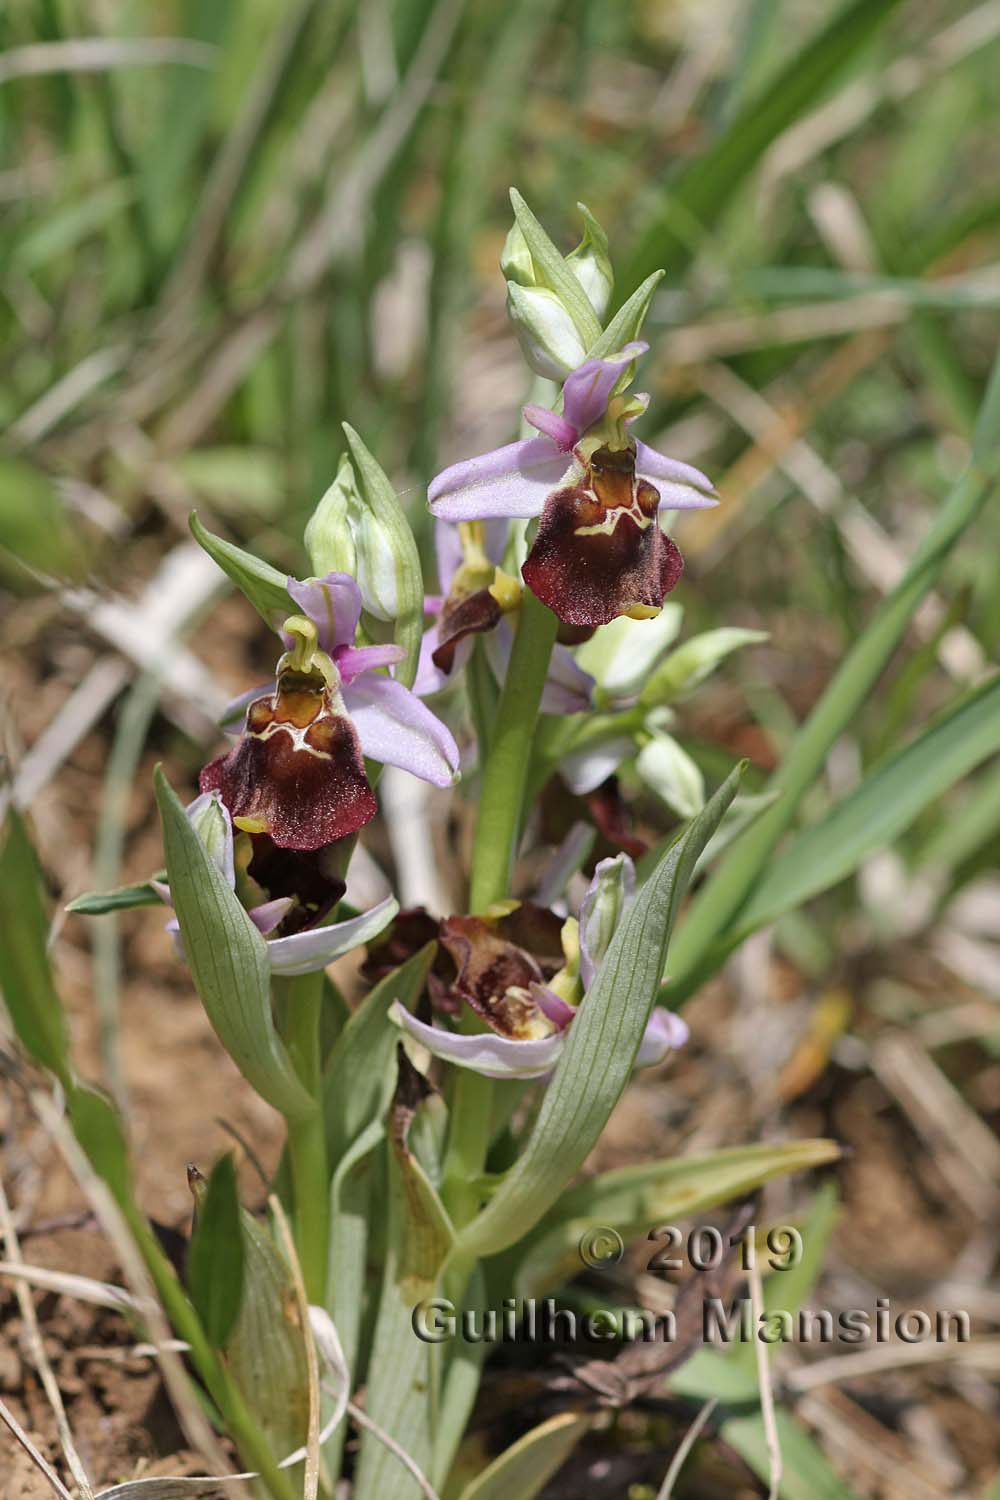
column 681, row 486
column 587, row 391
column 306, row 952
column 514, row 481
column 553, row 425
column 484, row 1052
column 353, row 660
column 332, row 603
column 585, row 770
column 664, row 1032
column 394, row 727
column 553, row 1007
column 267, row 916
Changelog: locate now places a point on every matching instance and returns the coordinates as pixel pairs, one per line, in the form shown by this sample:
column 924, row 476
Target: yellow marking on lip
column 607, row 526
column 251, row 825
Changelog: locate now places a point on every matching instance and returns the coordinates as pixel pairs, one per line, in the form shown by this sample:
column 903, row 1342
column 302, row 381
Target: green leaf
column 555, row 273
column 384, row 504
column 693, row 201
column 265, row 1350
column 98, row 1127
column 122, row 898
column 631, row 1200
column 627, row 322
column 597, row 1060
column 228, row 959
column 806, row 1475
column 358, row 1079
column 426, row 1233
column 215, row 1255
column 29, row 992
column 878, row 811
column 527, row 1466
column 263, row 585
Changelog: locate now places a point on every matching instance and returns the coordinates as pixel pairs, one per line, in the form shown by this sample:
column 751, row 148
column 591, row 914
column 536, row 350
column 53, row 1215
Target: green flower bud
column 329, row 535
column 620, row 656
column 547, row 334
column 671, row 773
column 697, row 659
column 591, row 264
column 516, row 261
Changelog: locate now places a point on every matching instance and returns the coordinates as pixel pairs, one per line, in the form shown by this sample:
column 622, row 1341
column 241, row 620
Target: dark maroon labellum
column 297, row 773
column 599, row 552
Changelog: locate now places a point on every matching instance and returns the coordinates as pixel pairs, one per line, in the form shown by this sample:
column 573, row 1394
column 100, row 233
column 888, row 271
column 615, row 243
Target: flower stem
column 306, row 1138
column 505, row 774
column 501, row 811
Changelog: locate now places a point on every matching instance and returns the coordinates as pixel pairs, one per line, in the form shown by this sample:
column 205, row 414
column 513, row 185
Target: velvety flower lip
column 301, row 952
column 599, row 552
column 297, row 772
column 528, row 1019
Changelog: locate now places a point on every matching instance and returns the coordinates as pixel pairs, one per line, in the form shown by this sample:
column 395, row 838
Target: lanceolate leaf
column 358, row 1080
column 881, row 808
column 528, row 1465
column 228, row 959
column 122, row 898
column 632, row 1200
column 28, row 991
column 263, row 585
column 603, row 1041
column 215, row 1257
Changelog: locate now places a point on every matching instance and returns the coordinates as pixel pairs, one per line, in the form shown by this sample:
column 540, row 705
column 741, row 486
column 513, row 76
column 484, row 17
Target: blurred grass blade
column 98, row 1127
column 631, row 1199
column 881, row 808
column 215, row 1255
column 695, row 200
column 528, row 1465
column 229, row 963
column 596, row 1062
column 25, row 974
column 717, row 906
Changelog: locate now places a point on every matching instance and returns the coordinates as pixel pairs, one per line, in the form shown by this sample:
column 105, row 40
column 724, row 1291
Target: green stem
column 501, row 811
column 307, row 1137
column 506, row 771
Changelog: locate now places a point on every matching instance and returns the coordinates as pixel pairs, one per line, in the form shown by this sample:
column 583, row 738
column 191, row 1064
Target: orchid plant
column 436, row 1128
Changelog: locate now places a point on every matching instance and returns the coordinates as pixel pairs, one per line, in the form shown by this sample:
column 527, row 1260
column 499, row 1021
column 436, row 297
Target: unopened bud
column 548, row 337
column 329, row 535
column 591, row 264
column 688, row 666
column 671, row 773
column 604, row 905
column 516, row 260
